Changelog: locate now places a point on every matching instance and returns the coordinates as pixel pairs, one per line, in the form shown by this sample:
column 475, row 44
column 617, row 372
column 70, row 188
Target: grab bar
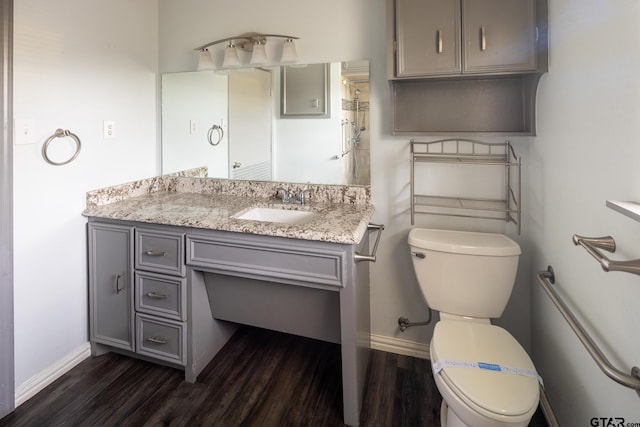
column 546, row 279
column 372, row 258
column 592, row 244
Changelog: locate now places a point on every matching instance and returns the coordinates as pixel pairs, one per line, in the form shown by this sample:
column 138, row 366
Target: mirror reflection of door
column 250, row 124
column 192, row 103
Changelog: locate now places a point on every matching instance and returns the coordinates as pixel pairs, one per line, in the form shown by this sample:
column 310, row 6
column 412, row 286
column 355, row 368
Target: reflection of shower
column 352, row 127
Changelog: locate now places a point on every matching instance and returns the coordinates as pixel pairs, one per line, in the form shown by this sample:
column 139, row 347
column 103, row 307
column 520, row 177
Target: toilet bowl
column 485, row 377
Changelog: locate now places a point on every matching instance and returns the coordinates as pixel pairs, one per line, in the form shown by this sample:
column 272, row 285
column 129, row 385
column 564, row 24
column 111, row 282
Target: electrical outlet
column 193, row 127
column 109, row 129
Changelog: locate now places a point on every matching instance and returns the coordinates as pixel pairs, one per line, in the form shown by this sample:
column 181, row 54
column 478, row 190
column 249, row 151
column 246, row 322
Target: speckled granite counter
column 344, row 211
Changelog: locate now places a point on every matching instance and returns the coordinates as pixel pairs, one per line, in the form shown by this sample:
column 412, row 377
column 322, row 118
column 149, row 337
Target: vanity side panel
column 206, row 335
column 355, row 314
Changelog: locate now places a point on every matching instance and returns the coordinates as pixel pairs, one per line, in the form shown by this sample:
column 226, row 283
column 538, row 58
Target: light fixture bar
column 246, row 41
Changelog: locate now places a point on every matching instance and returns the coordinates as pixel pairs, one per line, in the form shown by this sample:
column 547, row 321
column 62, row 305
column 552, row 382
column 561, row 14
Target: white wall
column 586, row 152
column 77, row 63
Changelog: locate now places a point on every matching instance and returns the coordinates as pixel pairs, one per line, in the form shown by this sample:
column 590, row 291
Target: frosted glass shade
column 231, row 59
column 289, row 53
column 259, row 56
column 204, row 61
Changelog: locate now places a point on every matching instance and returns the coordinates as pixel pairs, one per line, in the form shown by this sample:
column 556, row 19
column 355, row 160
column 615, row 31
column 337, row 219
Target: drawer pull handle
column 155, row 253
column 157, row 340
column 157, row 295
column 438, row 41
column 371, row 258
column 117, row 283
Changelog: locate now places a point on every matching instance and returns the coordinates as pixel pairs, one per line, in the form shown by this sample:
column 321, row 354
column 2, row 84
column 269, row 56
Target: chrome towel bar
column 371, row 258
column 592, row 244
column 546, row 279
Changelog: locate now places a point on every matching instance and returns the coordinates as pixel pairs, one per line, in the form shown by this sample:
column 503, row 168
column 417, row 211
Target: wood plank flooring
column 260, row 378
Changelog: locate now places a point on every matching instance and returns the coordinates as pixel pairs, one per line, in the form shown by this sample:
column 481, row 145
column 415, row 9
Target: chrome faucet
column 291, row 197
column 287, row 195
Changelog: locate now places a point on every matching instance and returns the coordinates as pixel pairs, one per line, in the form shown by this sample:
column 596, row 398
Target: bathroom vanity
column 173, row 273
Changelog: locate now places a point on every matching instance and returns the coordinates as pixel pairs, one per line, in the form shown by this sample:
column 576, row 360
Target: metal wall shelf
column 469, row 152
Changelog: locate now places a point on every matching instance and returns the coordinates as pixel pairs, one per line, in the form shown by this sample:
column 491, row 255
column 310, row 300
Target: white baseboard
column 400, row 346
column 39, row 381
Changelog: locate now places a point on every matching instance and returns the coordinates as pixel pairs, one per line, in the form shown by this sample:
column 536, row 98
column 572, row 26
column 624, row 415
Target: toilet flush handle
column 418, row 255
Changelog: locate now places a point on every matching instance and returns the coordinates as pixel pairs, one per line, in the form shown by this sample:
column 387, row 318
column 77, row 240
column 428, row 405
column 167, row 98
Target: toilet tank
column 464, row 273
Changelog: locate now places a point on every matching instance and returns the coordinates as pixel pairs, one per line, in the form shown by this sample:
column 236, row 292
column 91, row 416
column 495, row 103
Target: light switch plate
column 24, row 131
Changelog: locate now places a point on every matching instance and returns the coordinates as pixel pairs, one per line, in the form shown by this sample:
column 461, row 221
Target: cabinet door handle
column 117, row 283
column 438, row 41
column 483, row 39
column 157, row 295
column 155, row 253
column 157, row 340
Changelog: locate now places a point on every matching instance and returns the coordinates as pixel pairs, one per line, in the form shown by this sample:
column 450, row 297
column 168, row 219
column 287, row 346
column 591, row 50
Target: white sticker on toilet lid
column 439, row 365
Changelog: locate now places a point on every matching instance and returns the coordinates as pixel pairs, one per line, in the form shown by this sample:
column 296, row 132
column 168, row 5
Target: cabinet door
column 499, row 35
column 111, row 285
column 428, row 37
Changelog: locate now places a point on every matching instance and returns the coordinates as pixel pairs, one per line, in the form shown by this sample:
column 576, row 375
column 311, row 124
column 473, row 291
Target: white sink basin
column 285, row 216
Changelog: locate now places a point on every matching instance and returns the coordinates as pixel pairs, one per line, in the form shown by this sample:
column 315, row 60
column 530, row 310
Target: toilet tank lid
column 463, row 242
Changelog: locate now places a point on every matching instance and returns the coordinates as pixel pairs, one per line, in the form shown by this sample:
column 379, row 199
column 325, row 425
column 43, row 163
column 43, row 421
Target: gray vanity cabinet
column 444, row 37
column 137, row 291
column 186, row 290
column 111, row 285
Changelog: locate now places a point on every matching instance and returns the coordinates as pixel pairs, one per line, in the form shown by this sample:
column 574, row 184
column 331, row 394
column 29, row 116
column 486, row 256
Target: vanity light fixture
column 231, row 59
column 204, row 61
column 247, row 42
column 289, row 54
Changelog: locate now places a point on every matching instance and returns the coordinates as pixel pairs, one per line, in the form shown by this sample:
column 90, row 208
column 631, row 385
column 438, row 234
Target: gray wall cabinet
column 186, row 290
column 465, row 66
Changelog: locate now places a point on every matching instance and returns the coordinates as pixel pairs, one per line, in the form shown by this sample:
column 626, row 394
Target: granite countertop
column 336, row 222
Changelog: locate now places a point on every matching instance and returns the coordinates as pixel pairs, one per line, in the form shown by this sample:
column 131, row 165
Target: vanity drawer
column 161, row 339
column 160, row 251
column 312, row 265
column 161, row 295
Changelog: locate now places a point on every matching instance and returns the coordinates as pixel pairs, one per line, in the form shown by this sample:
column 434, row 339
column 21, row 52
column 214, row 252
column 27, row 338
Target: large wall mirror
column 232, row 123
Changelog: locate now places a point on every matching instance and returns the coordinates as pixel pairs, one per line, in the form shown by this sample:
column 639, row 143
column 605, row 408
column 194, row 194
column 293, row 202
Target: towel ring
column 59, row 134
column 220, row 134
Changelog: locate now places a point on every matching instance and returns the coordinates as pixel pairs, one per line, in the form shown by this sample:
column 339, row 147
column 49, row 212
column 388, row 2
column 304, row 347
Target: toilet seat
column 496, row 395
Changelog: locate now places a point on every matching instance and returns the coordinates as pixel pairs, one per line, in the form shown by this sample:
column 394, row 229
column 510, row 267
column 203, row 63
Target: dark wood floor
column 260, row 378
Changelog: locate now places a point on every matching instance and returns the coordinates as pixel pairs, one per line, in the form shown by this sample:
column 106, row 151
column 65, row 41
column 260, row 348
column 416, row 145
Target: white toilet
column 483, row 374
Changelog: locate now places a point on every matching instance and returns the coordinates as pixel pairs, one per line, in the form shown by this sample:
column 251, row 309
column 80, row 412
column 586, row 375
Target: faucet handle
column 286, row 196
column 302, row 197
